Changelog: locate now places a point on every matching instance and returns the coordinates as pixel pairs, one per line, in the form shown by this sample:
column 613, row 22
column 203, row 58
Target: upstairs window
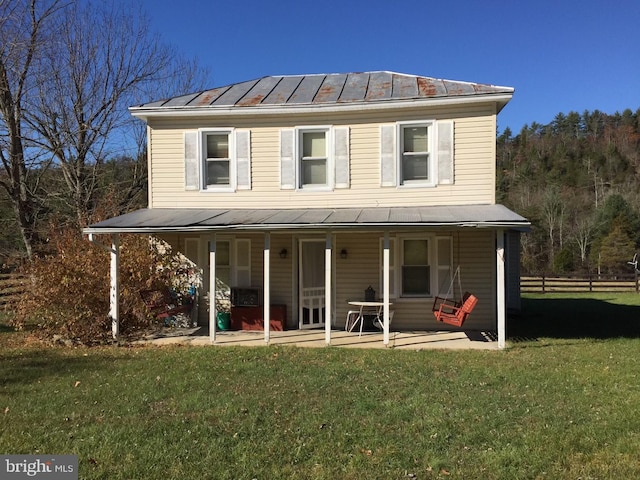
column 217, row 159
column 417, row 153
column 314, row 158
column 415, row 158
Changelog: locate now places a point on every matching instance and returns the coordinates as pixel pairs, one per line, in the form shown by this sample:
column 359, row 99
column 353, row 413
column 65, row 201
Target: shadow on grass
column 23, row 362
column 30, row 366
column 571, row 318
column 6, row 328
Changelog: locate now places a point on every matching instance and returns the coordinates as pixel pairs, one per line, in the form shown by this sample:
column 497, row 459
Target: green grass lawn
column 549, row 407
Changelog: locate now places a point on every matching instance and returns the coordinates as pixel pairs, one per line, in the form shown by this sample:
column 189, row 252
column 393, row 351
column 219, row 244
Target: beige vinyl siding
column 472, row 250
column 280, row 273
column 474, row 162
column 167, row 165
column 356, row 272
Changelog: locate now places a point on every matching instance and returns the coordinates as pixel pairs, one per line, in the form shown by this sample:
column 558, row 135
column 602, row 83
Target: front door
column 311, row 274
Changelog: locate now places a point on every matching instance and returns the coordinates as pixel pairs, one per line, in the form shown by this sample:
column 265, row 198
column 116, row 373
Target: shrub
column 69, row 288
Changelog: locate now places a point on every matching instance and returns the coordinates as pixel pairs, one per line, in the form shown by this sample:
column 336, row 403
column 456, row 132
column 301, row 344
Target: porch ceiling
column 158, row 220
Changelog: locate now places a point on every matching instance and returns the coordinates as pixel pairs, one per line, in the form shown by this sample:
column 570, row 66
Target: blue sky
column 559, row 55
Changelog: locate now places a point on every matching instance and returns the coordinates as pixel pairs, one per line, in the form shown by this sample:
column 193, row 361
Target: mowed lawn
column 553, row 405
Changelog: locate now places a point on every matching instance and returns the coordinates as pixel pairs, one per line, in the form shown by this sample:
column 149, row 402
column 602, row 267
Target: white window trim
column 448, row 269
column 397, row 247
column 328, row 129
column 203, row 132
column 432, row 162
column 430, row 254
column 237, row 268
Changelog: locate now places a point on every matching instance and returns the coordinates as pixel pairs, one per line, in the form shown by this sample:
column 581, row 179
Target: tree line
column 577, row 180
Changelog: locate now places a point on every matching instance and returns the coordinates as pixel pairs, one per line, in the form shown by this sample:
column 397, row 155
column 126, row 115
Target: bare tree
column 583, row 232
column 553, row 210
column 24, row 29
column 68, row 71
column 104, row 56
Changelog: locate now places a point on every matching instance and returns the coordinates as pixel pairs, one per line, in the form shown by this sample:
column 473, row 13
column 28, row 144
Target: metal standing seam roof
column 158, row 220
column 327, row 89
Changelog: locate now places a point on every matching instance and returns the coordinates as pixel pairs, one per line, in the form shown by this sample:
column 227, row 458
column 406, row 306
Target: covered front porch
column 351, row 248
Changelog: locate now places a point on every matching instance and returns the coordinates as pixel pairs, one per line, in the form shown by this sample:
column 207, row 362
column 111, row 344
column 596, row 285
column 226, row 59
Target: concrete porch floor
column 415, row 340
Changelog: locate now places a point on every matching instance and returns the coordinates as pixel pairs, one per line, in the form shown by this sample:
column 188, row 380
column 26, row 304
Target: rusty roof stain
column 328, row 89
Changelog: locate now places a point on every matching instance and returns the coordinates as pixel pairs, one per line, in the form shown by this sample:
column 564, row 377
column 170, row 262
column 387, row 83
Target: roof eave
column 144, row 113
column 523, row 226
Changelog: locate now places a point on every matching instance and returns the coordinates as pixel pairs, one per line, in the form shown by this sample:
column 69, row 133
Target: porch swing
column 454, row 311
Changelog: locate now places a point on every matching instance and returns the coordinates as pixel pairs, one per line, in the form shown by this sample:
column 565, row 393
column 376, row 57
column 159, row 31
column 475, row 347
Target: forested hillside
column 577, row 179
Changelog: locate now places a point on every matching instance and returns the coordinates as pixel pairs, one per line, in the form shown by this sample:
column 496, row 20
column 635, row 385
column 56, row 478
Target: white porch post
column 212, row 289
column 266, row 309
column 500, row 290
column 328, row 317
column 385, row 289
column 114, row 289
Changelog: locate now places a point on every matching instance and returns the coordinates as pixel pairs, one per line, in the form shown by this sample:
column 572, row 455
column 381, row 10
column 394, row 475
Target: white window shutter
column 243, row 159
column 287, row 159
column 388, row 155
column 191, row 161
column 445, row 152
column 242, row 262
column 341, row 156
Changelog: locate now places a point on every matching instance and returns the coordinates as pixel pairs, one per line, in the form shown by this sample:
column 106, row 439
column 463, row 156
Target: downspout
column 500, row 290
column 213, row 309
column 266, row 295
column 328, row 291
column 385, row 289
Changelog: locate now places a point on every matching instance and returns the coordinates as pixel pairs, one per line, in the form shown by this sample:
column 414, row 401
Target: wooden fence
column 12, row 285
column 594, row 283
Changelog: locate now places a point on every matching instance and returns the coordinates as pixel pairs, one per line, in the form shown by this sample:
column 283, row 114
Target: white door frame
column 312, row 298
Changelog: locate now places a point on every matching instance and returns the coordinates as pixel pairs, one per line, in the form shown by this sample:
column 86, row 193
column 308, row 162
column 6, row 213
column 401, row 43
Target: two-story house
column 311, row 188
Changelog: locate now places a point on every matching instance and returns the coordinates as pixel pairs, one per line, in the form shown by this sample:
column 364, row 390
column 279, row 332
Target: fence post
column 637, row 286
column 543, row 290
column 590, row 283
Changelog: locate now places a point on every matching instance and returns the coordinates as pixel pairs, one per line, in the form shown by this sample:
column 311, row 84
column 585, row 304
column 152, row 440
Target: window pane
column 218, row 145
column 223, row 257
column 314, row 172
column 415, row 139
column 416, row 252
column 314, row 144
column 223, row 281
column 415, row 167
column 415, row 280
column 218, row 172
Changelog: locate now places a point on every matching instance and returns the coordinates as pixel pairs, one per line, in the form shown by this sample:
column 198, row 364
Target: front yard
column 548, row 407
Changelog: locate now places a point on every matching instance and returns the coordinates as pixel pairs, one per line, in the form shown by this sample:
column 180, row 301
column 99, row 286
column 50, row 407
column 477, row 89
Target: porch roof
column 159, row 220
